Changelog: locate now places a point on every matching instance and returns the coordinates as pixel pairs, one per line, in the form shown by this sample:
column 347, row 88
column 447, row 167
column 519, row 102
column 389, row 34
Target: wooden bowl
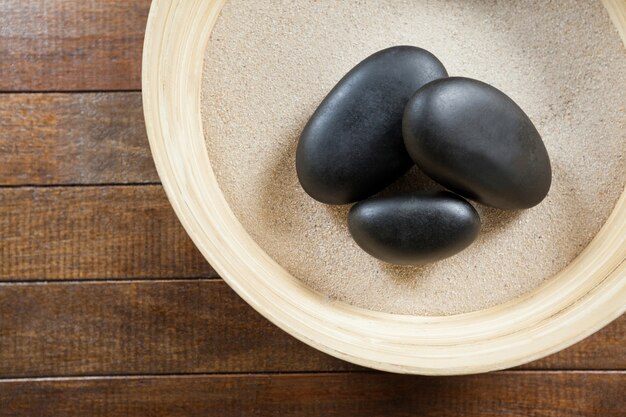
column 576, row 302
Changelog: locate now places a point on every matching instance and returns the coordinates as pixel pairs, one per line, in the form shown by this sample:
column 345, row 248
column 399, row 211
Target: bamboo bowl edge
column 575, row 303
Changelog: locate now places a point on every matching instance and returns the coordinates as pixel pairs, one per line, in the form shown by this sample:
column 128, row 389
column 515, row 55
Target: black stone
column 414, row 228
column 473, row 139
column 352, row 146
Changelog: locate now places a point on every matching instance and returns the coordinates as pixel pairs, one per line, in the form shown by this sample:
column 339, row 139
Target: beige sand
column 270, row 63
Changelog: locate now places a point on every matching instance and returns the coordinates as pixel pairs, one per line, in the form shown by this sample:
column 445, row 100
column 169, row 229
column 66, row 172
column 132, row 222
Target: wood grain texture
column 71, row 45
column 92, row 233
column 88, row 138
column 141, row 328
column 200, row 326
column 555, row 394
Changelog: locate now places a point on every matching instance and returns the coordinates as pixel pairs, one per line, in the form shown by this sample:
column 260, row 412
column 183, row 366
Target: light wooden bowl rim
column 578, row 301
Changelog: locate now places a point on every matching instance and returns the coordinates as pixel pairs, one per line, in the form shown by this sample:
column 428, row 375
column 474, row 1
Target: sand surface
column 270, row 63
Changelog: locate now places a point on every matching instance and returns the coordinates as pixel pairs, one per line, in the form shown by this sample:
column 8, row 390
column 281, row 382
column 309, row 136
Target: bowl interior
column 257, row 94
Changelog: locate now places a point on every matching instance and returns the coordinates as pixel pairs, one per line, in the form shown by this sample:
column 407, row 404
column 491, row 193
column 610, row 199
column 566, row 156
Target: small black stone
column 414, row 228
column 352, row 146
column 473, row 139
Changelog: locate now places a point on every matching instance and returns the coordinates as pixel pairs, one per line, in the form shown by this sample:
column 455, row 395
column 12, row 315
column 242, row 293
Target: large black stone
column 473, row 139
column 414, row 228
column 352, row 146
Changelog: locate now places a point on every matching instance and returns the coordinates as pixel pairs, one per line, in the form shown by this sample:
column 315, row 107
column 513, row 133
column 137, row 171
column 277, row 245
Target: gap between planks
column 79, row 185
column 363, row 371
column 68, row 91
column 152, row 280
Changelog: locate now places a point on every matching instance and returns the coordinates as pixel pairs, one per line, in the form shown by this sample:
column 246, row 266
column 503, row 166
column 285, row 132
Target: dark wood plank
column 71, row 45
column 77, row 138
column 141, row 328
column 200, row 326
column 93, row 232
column 554, row 394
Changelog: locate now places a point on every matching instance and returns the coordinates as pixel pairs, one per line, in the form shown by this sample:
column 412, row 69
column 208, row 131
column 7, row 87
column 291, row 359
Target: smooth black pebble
column 352, row 146
column 414, row 228
column 476, row 141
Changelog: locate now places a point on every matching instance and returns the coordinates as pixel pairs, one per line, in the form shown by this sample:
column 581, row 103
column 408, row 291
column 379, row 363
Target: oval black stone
column 475, row 140
column 414, row 228
column 352, row 146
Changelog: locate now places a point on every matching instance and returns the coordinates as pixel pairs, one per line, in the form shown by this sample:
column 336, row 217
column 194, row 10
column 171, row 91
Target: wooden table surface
column 106, row 307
